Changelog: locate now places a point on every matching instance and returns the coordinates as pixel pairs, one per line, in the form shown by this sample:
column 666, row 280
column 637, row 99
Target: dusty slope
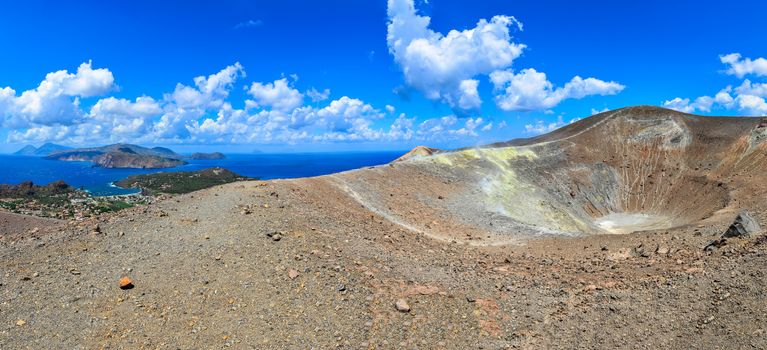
column 207, row 275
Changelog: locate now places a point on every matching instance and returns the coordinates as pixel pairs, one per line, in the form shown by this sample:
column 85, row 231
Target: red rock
column 126, row 283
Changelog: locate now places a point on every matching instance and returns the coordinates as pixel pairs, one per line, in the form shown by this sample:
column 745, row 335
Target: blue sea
column 98, row 181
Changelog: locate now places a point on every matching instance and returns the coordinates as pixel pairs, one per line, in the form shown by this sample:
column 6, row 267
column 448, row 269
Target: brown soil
column 324, row 262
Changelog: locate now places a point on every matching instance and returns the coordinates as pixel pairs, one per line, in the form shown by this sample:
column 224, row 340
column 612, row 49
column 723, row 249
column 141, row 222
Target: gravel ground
column 207, row 274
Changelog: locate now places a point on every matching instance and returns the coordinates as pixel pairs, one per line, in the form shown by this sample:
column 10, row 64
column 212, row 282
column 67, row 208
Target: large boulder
column 744, row 226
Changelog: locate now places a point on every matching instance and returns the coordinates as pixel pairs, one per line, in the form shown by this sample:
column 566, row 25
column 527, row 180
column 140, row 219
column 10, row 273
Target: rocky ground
column 475, row 249
column 298, row 264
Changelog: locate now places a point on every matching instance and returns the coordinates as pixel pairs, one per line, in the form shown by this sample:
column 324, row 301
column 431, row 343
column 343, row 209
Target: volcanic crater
column 628, row 170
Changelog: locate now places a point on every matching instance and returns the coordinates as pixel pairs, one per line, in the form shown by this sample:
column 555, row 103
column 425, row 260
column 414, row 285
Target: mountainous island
column 117, row 156
column 41, row 151
column 208, row 156
column 122, row 156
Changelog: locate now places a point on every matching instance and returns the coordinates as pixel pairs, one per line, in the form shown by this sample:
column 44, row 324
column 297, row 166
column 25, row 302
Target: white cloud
column 747, row 99
column 530, row 90
column 443, row 66
column 755, row 89
column 469, row 95
column 753, row 105
column 56, row 100
column 87, row 82
column 595, row 111
column 249, row 24
column 318, row 96
column 277, row 95
column 541, row 127
column 347, row 114
column 124, row 118
column 703, row 103
column 7, row 96
column 741, row 67
column 201, row 113
column 208, row 92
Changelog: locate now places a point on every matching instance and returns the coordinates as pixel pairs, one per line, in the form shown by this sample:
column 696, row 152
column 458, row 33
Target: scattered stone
column 641, row 250
column 275, row 236
column 341, row 287
column 21, row 323
column 402, row 305
column 424, row 290
column 292, row 274
column 471, row 299
column 126, row 283
column 662, row 250
column 715, row 244
column 744, row 226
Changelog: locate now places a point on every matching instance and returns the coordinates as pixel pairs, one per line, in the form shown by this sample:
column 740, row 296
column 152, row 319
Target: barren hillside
column 591, row 236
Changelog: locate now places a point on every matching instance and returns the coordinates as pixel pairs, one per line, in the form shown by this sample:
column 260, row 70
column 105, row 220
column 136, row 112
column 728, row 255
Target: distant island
column 180, row 182
column 41, row 151
column 122, row 156
column 207, row 156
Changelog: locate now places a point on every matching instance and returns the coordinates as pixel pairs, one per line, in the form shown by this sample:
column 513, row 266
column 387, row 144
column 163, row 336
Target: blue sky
column 351, row 75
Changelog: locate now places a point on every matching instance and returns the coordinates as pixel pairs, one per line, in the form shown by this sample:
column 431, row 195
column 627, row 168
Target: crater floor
column 623, row 223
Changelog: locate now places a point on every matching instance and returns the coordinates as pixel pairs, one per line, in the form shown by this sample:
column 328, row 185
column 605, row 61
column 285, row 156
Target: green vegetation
column 112, row 206
column 180, row 182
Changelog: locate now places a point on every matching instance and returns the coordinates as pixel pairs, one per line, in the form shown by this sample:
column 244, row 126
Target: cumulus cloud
column 318, row 96
column 703, row 103
column 56, row 100
column 741, row 67
column 202, row 113
column 530, row 90
column 542, row 127
column 746, row 99
column 277, row 95
column 442, row 67
column 124, row 118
